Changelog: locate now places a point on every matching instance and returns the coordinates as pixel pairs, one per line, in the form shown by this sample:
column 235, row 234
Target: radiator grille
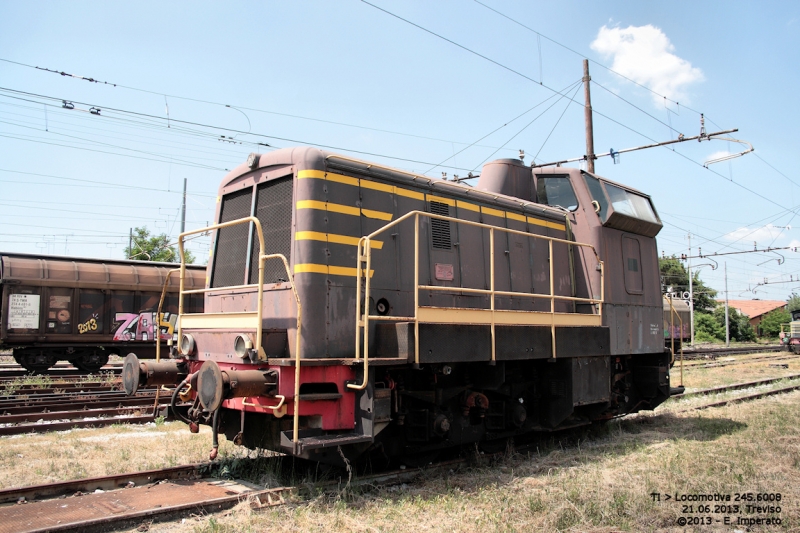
column 440, row 229
column 231, row 254
column 274, row 210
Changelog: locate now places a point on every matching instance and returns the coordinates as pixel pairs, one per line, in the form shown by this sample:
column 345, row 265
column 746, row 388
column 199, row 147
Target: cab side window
column 596, row 190
column 556, row 191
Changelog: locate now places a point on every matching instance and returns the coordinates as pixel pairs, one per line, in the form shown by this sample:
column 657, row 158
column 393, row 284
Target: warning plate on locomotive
column 444, row 272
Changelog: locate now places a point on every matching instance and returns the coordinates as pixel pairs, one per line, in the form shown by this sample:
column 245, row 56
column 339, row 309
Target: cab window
column 596, row 190
column 631, row 204
column 556, row 191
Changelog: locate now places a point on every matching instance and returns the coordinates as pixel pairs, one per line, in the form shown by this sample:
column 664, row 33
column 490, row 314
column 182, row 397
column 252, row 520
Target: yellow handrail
column 262, row 258
column 674, row 312
column 158, row 314
column 364, row 255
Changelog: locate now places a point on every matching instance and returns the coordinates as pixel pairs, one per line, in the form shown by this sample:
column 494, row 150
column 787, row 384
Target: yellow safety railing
column 674, row 313
column 471, row 316
column 262, row 258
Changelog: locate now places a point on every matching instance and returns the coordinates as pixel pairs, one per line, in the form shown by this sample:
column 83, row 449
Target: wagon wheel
column 34, row 361
column 89, row 361
column 795, row 348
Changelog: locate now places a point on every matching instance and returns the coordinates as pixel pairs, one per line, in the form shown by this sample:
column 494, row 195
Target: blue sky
column 350, row 76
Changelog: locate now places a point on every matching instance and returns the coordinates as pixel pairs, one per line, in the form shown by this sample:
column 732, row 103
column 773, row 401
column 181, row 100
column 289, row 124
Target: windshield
column 631, row 204
column 556, row 191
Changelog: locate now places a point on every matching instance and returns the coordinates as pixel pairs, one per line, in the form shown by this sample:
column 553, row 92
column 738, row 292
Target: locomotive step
column 320, row 396
column 315, row 442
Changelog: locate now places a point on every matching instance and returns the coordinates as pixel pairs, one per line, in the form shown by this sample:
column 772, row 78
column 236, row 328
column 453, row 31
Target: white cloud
column 717, row 155
column 645, row 55
column 763, row 235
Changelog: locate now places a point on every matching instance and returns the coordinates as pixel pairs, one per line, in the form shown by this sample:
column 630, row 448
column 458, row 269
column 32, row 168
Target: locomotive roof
column 305, row 157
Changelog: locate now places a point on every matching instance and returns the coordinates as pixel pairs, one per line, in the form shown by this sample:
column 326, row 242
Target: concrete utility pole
column 727, row 325
column 587, row 110
column 130, row 243
column 691, row 296
column 183, row 208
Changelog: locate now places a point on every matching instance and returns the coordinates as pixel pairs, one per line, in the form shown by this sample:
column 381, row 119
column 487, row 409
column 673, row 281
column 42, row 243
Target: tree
column 707, row 329
column 771, row 323
column 675, row 275
column 793, row 303
column 739, row 326
column 147, row 247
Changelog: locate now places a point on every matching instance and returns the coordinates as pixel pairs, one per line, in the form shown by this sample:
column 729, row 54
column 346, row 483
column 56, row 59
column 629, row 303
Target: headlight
column 242, row 345
column 187, row 344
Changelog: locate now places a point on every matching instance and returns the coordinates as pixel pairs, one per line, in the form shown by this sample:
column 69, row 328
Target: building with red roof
column 755, row 309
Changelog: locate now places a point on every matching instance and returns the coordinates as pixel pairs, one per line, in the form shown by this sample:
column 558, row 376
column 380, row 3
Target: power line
column 232, row 130
column 257, row 110
column 583, row 56
column 635, row 106
column 531, row 122
column 499, row 128
column 120, row 186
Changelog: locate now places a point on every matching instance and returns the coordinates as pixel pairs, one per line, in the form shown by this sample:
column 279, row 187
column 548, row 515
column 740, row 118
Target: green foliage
column 793, row 303
column 675, row 275
column 739, row 325
column 771, row 323
column 707, row 328
column 148, row 247
column 710, row 327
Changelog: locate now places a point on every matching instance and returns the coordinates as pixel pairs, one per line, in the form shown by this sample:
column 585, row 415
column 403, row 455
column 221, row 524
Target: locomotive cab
column 621, row 223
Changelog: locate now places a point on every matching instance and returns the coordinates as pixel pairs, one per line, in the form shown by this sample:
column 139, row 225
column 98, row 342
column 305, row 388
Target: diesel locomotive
column 352, row 307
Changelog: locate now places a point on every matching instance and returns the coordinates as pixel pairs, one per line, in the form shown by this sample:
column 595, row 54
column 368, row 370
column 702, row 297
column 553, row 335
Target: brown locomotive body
column 82, row 310
column 388, row 310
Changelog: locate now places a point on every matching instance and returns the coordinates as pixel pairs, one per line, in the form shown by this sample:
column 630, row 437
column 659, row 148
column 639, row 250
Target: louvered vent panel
column 440, row 229
column 231, row 254
column 274, row 210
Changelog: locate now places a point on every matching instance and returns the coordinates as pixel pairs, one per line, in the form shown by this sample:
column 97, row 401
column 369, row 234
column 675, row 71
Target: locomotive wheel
column 35, row 361
column 89, row 362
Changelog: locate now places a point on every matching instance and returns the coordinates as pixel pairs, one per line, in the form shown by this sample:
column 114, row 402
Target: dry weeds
column 695, row 376
column 597, row 481
column 42, row 458
column 601, row 483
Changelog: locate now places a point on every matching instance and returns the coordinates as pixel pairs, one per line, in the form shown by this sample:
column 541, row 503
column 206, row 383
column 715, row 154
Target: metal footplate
column 308, row 440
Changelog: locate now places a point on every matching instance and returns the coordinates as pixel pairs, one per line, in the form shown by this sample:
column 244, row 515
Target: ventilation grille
column 440, row 229
column 274, row 211
column 231, row 254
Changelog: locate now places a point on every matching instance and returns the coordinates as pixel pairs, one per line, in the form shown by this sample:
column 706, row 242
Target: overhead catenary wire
column 246, row 108
column 233, row 130
column 539, row 34
column 475, row 143
column 569, row 100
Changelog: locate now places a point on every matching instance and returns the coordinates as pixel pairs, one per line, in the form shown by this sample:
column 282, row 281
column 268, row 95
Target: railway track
column 13, row 371
column 141, row 498
column 701, row 353
column 66, row 402
column 740, row 387
column 697, row 363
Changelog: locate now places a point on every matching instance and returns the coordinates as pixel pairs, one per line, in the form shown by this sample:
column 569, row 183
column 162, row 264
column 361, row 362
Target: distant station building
column 755, row 310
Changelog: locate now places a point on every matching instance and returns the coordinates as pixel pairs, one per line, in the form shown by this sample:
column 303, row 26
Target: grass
column 697, row 377
column 599, row 480
column 42, row 458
